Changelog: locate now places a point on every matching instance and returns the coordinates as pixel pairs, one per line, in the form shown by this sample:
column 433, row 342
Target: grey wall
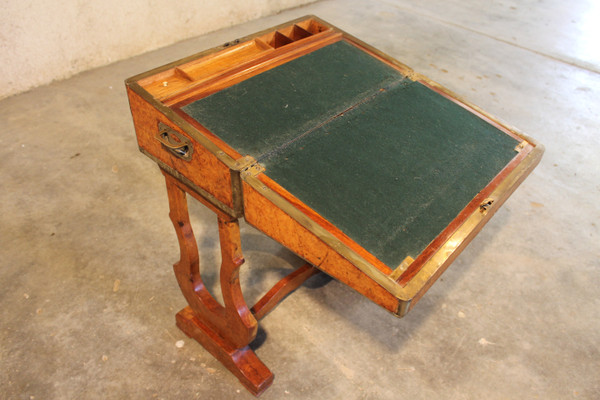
column 41, row 41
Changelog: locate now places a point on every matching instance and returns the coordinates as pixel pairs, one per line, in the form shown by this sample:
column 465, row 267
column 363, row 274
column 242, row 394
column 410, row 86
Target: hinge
column 248, row 166
column 253, row 170
column 243, row 163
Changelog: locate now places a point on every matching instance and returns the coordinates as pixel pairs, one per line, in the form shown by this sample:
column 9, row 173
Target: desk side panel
column 275, row 223
column 203, row 170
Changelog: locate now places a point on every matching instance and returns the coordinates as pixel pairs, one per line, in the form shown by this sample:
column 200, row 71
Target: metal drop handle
column 176, row 143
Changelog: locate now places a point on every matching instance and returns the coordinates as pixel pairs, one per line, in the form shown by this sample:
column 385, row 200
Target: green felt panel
column 258, row 115
column 393, row 172
column 391, row 168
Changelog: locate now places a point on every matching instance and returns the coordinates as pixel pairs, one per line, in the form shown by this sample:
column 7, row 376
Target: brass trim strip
column 237, row 194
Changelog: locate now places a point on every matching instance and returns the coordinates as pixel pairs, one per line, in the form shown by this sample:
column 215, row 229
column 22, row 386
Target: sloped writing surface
column 386, row 160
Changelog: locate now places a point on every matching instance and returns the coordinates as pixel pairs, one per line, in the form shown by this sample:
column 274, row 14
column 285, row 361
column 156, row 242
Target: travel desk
column 367, row 170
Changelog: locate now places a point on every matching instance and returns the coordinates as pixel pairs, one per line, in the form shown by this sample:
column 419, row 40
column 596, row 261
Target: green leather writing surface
column 386, row 160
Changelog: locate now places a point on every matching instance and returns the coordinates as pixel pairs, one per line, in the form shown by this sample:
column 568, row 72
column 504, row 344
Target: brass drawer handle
column 176, row 143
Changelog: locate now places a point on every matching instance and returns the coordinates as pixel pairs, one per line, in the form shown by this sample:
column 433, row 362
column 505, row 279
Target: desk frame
column 234, row 186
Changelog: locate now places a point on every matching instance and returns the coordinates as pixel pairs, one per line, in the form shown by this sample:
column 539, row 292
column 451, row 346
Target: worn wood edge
column 309, row 247
column 237, row 195
column 441, row 259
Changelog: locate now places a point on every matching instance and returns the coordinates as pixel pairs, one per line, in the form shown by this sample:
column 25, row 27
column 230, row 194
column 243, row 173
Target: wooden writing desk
column 367, row 170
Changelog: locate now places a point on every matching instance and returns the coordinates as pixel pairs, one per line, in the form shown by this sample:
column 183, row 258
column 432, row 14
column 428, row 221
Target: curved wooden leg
column 226, row 331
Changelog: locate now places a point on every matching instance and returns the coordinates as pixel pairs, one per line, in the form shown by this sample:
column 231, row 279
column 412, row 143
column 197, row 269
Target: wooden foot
column 243, row 363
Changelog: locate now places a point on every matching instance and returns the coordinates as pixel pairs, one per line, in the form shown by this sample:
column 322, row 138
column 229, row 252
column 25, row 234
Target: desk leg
column 226, row 331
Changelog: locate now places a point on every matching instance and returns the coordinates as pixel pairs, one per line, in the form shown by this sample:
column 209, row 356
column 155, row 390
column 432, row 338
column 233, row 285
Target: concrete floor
column 88, row 296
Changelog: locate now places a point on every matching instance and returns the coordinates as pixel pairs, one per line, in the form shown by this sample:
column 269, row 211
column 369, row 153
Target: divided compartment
column 177, row 79
column 312, row 26
column 293, row 33
column 285, row 36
